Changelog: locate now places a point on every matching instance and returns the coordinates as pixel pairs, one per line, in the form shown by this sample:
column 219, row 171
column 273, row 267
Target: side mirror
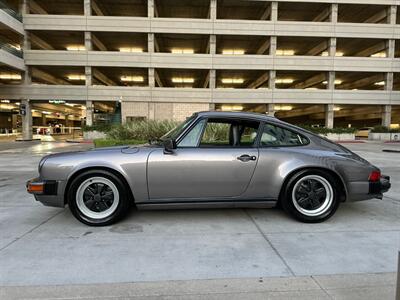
column 169, row 146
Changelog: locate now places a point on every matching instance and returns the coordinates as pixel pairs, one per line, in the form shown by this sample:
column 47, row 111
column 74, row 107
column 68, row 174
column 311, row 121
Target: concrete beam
column 103, row 78
column 158, row 79
column 206, row 80
column 42, row 44
column 47, row 77
column 264, row 47
column 361, row 82
column 379, row 16
column 371, row 50
column 325, row 14
column 36, row 8
column 313, row 80
column 98, row 9
column 99, row 44
column 318, row 49
column 259, row 81
column 267, row 13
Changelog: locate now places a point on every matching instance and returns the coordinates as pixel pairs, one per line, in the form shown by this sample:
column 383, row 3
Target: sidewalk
column 349, row 286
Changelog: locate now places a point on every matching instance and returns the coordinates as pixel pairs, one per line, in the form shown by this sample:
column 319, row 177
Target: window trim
column 255, row 143
column 281, row 146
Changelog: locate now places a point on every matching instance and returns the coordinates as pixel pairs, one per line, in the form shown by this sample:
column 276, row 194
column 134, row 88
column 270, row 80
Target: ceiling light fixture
column 76, row 48
column 283, row 107
column 76, row 77
column 379, row 54
column 338, row 53
column 132, row 78
column 285, row 52
column 284, row 80
column 8, row 76
column 182, row 51
column 380, row 83
column 182, row 80
column 232, row 80
column 231, row 107
column 337, row 81
column 131, row 49
column 5, row 101
column 233, row 51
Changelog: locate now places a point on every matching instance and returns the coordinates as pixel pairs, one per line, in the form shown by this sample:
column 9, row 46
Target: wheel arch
column 334, row 174
column 98, row 168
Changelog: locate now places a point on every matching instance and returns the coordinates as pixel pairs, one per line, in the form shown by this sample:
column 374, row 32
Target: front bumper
column 48, row 192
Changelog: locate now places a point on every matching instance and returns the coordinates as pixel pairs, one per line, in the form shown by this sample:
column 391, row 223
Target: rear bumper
column 364, row 190
column 48, row 192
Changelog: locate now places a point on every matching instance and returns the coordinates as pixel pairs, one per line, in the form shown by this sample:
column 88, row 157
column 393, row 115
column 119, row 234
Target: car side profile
column 213, row 159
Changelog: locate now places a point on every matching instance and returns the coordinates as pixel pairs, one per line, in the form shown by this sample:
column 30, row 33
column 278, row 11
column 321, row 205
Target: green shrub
column 384, row 129
column 98, row 127
column 141, row 130
column 324, row 130
column 112, row 142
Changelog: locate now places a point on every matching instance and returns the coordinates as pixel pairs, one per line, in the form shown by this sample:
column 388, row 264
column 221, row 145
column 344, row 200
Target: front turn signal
column 35, row 188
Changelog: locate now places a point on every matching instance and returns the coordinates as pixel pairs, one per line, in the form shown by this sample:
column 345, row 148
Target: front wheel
column 311, row 196
column 98, row 198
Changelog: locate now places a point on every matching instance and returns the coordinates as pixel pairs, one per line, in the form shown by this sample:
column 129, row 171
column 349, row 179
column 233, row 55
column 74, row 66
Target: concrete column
column 389, row 81
column 213, row 9
column 271, row 79
column 213, row 44
column 89, row 77
column 391, row 14
column 150, row 43
column 88, row 41
column 333, row 17
column 211, row 106
column 271, row 109
column 274, row 11
column 329, row 115
column 152, row 81
column 26, row 45
column 87, row 8
column 386, row 115
column 150, row 8
column 24, row 7
column 44, row 120
column 331, row 80
column 27, row 121
column 272, row 46
column 213, row 79
column 89, row 113
column 151, row 110
column 390, row 46
column 332, row 47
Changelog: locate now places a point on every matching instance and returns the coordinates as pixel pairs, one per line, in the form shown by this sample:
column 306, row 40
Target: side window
column 229, row 133
column 275, row 136
column 191, row 139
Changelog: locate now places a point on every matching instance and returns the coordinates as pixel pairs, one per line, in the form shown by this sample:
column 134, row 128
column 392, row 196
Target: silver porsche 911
column 213, row 159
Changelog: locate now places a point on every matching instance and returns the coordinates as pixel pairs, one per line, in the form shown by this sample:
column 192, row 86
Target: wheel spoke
column 313, row 185
column 321, row 193
column 90, row 203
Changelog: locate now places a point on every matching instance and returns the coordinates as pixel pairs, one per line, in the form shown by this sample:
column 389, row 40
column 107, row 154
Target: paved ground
column 199, row 254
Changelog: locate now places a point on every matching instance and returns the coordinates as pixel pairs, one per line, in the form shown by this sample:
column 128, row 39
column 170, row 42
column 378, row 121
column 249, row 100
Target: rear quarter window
column 276, row 136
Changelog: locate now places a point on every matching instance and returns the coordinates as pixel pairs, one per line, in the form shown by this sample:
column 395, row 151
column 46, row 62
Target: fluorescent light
column 132, row 78
column 46, row 112
column 337, row 81
column 233, row 51
column 16, row 47
column 56, row 101
column 232, row 80
column 231, row 107
column 182, row 51
column 284, row 80
column 5, row 101
column 130, row 49
column 285, row 52
column 379, row 54
column 336, row 108
column 76, row 48
column 70, row 104
column 76, row 77
column 283, row 107
column 380, row 83
column 182, row 80
column 338, row 53
column 8, row 76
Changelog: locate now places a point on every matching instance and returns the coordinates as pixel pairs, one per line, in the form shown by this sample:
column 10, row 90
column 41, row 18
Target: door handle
column 246, row 157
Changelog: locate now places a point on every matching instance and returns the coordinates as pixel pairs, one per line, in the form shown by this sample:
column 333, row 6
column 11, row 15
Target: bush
column 111, row 142
column 98, row 127
column 141, row 130
column 384, row 129
column 324, row 130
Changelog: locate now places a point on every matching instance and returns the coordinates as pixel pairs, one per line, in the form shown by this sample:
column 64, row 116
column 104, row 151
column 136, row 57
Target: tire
column 311, row 196
column 98, row 198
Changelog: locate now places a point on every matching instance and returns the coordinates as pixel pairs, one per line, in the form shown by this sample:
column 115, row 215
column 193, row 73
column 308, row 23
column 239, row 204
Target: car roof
column 236, row 114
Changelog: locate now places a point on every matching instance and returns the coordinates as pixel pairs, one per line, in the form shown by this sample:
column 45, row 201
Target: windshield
column 174, row 133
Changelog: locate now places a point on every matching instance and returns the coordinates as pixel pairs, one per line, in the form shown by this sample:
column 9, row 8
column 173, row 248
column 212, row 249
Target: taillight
column 374, row 176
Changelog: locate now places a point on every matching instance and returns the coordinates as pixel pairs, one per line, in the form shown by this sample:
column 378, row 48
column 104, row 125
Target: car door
column 215, row 159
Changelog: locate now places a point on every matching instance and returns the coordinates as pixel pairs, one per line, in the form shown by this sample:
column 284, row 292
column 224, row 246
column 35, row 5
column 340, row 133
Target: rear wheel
column 311, row 196
column 98, row 198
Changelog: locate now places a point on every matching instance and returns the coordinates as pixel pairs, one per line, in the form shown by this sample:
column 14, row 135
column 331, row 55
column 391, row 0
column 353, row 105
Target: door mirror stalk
column 169, row 146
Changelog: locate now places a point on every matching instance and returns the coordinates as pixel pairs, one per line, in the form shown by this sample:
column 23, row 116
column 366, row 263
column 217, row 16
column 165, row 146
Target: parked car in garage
column 213, row 159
